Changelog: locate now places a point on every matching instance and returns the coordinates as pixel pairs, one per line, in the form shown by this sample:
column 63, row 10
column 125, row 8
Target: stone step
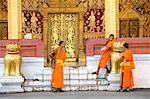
column 75, row 79
column 67, row 82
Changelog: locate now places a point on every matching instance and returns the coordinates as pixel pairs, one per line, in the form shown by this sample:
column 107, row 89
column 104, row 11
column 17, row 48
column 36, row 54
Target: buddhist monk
column 126, row 77
column 57, row 76
column 106, row 52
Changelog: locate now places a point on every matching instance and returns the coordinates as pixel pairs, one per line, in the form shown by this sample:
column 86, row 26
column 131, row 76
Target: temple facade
column 84, row 25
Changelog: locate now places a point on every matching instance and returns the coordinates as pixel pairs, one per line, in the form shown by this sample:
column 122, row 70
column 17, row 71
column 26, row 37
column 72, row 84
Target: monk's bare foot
column 128, row 90
column 122, row 90
column 60, row 90
column 55, row 90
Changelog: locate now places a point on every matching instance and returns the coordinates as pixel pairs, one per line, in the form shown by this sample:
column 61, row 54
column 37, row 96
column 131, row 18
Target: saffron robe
column 106, row 54
column 126, row 76
column 57, row 76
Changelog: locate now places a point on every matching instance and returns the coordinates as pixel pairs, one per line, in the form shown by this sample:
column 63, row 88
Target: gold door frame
column 78, row 11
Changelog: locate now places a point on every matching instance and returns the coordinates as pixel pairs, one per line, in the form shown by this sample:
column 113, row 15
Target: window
column 129, row 28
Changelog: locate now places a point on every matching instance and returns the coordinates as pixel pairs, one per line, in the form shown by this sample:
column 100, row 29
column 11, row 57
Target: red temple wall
column 29, row 48
column 137, row 45
column 35, row 48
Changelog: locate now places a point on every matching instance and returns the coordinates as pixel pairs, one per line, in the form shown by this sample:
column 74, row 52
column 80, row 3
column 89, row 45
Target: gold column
column 81, row 36
column 111, row 18
column 45, row 37
column 14, row 19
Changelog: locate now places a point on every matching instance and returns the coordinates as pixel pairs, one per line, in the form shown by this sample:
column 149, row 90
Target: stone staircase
column 75, row 79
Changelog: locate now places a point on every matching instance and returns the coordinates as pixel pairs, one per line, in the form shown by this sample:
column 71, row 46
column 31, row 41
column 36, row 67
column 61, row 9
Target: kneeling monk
column 57, row 76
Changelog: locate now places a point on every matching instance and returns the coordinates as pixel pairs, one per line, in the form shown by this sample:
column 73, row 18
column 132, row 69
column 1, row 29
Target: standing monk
column 105, row 54
column 126, row 77
column 57, row 76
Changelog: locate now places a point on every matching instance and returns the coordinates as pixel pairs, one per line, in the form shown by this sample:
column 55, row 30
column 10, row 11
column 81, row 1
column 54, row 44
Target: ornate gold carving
column 146, row 26
column 67, row 29
column 33, row 5
column 129, row 28
column 116, row 57
column 124, row 28
column 12, row 60
column 70, row 34
column 90, row 4
column 94, row 23
column 139, row 9
column 54, row 30
column 32, row 23
column 64, row 27
column 3, row 30
column 3, row 20
column 62, row 3
column 3, row 10
column 134, row 29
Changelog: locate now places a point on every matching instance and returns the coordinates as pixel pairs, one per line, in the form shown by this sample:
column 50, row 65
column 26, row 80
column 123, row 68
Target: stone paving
column 136, row 94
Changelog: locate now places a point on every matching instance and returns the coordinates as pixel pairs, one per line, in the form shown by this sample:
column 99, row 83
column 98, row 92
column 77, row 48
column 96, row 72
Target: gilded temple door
column 64, row 27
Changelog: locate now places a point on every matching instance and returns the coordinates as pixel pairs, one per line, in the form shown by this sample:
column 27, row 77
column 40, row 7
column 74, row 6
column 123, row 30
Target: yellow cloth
column 60, row 61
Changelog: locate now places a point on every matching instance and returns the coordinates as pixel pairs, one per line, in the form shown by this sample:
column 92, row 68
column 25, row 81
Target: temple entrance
column 64, row 24
column 64, row 27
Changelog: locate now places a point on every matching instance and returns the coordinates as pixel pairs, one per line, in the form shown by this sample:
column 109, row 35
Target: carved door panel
column 64, row 27
column 124, row 28
column 129, row 28
column 134, row 29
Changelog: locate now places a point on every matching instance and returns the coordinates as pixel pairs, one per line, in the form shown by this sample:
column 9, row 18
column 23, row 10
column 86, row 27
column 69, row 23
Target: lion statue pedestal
column 114, row 76
column 12, row 78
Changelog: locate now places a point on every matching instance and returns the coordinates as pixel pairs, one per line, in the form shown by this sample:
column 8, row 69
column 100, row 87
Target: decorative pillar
column 14, row 19
column 12, row 79
column 82, row 56
column 112, row 27
column 45, row 37
column 141, row 25
column 111, row 18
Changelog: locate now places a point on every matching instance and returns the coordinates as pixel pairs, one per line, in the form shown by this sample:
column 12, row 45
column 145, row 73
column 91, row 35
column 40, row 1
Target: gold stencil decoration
column 147, row 26
column 64, row 27
column 134, row 30
column 54, row 30
column 3, row 30
column 32, row 23
column 123, row 28
column 69, row 34
column 3, row 20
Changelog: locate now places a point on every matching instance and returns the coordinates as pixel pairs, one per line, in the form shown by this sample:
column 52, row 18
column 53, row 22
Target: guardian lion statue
column 12, row 60
column 116, row 57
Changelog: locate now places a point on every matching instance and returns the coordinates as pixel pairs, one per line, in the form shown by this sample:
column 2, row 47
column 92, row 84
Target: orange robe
column 57, row 76
column 106, row 54
column 126, row 77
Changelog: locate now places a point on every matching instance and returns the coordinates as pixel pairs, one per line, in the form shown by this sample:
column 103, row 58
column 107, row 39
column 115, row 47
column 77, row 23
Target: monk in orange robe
column 126, row 76
column 57, row 76
column 106, row 54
